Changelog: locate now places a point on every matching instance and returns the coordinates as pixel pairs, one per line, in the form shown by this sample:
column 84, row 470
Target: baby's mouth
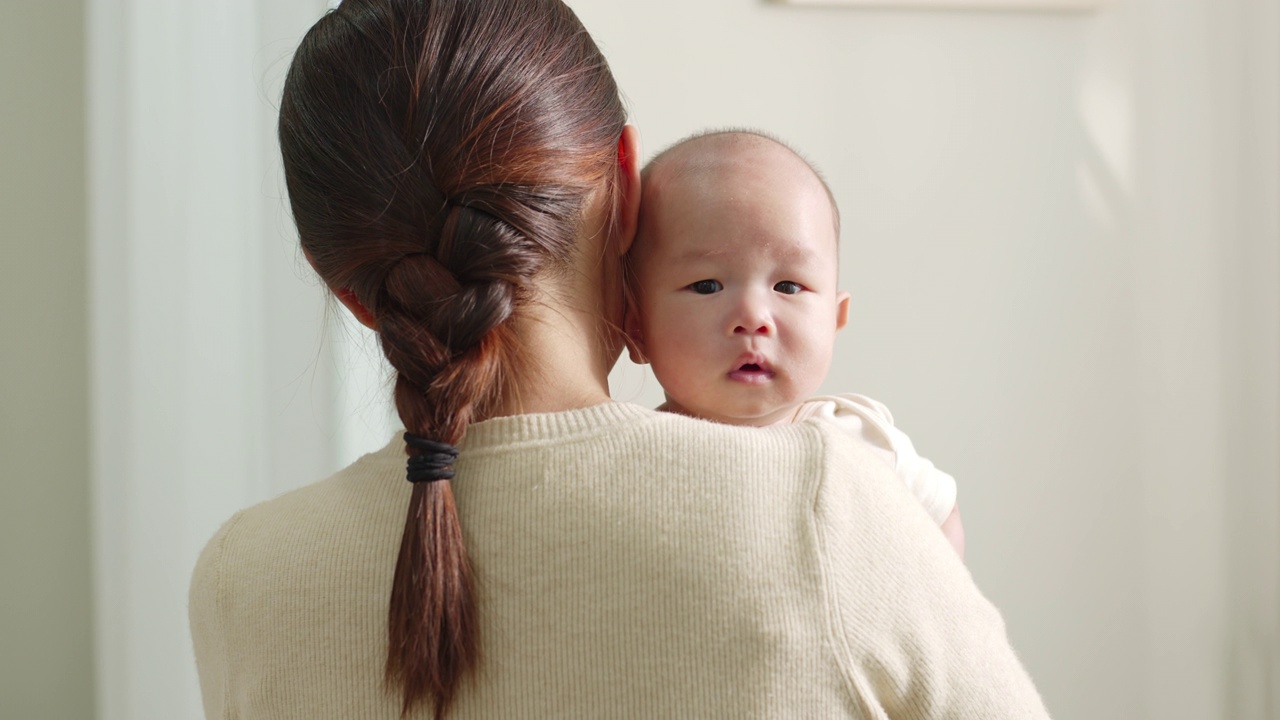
column 752, row 372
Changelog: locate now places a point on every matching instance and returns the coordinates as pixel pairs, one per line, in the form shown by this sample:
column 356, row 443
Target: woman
column 463, row 180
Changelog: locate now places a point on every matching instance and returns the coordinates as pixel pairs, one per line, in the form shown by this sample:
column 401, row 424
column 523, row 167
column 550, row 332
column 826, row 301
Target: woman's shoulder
column 713, row 444
column 776, row 466
column 616, row 431
column 375, row 476
column 274, row 542
column 295, row 576
column 359, row 510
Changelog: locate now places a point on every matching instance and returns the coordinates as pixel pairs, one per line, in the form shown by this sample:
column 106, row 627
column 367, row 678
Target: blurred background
column 1061, row 234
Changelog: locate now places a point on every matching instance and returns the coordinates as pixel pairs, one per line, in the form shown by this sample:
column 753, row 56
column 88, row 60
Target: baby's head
column 733, row 278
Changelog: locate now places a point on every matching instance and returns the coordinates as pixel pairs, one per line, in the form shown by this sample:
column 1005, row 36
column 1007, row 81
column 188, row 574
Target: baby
column 733, row 299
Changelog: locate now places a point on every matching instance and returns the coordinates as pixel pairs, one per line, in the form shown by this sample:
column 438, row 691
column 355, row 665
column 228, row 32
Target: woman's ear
column 629, row 187
column 348, row 299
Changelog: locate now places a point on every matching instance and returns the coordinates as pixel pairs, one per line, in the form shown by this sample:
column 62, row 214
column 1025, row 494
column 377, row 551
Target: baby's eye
column 706, row 287
column 786, row 287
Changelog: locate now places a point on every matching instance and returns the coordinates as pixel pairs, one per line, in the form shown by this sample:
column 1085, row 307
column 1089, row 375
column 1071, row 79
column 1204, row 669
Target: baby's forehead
column 726, row 157
column 711, row 168
column 688, row 232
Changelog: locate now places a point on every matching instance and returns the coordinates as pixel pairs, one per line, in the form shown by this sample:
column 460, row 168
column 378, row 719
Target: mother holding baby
column 463, row 179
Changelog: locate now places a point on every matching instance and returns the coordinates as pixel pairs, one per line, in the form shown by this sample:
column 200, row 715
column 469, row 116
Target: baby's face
column 737, row 304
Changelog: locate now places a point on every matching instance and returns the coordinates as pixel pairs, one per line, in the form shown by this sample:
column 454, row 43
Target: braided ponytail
column 439, row 155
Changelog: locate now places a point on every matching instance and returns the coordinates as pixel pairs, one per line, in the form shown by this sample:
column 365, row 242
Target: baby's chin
column 776, row 416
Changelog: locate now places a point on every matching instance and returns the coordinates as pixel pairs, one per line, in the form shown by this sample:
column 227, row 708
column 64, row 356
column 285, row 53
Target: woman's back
column 629, row 564
column 463, row 179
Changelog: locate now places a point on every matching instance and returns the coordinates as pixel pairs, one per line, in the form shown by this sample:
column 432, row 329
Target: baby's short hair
column 657, row 160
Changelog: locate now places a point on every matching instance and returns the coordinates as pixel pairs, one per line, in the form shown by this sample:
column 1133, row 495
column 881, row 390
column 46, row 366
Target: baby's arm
column 954, row 530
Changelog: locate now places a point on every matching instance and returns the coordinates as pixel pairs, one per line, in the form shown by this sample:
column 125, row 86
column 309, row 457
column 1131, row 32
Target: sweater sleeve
column 914, row 637
column 208, row 632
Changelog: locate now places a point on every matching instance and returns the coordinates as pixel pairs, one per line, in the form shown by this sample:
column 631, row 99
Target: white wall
column 1060, row 234
column 1251, row 210
column 45, row 594
column 212, row 388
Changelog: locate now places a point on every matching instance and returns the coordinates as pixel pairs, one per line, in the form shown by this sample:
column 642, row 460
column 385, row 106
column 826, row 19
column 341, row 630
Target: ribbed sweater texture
column 631, row 564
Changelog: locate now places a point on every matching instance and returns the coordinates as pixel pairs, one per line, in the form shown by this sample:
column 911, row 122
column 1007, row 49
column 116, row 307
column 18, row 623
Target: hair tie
column 435, row 462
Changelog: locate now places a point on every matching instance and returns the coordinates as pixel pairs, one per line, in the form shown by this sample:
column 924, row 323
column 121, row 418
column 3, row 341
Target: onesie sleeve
column 869, row 421
column 913, row 635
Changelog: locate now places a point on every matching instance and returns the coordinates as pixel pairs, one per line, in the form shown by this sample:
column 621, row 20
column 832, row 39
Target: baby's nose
column 752, row 319
column 752, row 312
column 753, row 328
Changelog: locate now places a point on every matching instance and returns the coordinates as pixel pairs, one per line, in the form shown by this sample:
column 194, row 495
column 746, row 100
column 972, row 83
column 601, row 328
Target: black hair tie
column 435, row 462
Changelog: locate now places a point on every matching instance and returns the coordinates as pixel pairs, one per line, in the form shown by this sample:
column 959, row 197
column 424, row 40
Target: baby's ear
column 842, row 309
column 632, row 332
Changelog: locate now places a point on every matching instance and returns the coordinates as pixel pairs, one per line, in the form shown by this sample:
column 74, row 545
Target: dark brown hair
column 439, row 156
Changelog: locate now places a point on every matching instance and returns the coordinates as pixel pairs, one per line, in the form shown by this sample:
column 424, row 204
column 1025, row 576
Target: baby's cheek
column 817, row 364
column 680, row 326
column 667, row 345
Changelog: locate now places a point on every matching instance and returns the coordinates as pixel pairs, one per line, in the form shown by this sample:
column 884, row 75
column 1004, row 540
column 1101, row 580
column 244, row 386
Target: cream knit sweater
column 632, row 564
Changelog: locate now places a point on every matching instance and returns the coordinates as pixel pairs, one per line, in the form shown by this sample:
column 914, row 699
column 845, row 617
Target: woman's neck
column 570, row 332
column 565, row 358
